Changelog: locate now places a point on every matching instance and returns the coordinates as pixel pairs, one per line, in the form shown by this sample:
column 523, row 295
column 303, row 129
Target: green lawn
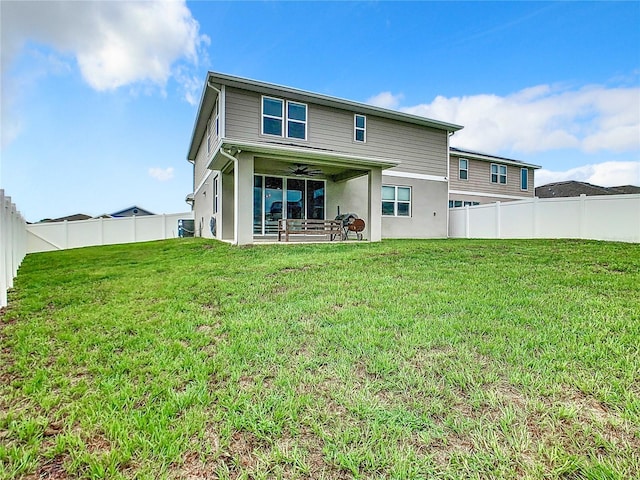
column 402, row 359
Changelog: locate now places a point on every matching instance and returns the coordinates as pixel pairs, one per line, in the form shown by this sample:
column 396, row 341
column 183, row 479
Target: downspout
column 236, row 199
column 449, row 135
column 222, row 102
column 222, row 107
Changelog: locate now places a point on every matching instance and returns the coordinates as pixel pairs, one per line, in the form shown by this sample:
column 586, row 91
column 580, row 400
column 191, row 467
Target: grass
column 401, row 359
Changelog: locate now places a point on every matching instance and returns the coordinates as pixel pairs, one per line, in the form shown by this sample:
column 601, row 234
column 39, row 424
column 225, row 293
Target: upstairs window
column 360, row 128
column 278, row 120
column 272, row 116
column 296, row 120
column 498, row 174
column 463, row 168
column 396, row 201
column 524, row 179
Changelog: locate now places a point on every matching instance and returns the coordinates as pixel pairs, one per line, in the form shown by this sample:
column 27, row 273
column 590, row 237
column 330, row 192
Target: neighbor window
column 360, row 128
column 461, row 203
column 524, row 179
column 463, row 166
column 396, row 201
column 498, row 174
column 275, row 117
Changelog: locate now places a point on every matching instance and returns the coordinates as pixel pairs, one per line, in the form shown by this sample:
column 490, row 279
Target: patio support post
column 374, row 210
column 243, row 199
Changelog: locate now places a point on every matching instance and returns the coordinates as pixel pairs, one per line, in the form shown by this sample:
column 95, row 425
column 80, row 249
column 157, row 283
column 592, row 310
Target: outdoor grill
column 351, row 223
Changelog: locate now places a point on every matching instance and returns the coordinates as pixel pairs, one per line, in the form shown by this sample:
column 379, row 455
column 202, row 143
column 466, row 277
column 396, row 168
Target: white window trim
column 264, row 115
column 215, row 194
column 460, row 169
column 284, row 118
column 356, row 128
column 491, row 174
column 527, row 181
column 306, row 119
column 396, row 201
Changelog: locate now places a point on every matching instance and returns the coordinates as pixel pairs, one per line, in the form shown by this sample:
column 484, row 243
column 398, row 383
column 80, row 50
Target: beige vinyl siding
column 202, row 160
column 479, row 179
column 421, row 150
column 203, row 157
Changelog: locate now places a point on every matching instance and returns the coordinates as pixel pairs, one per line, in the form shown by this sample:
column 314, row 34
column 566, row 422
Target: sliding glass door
column 282, row 197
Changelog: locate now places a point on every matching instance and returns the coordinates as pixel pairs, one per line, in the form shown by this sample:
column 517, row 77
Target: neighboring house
column 261, row 152
column 476, row 178
column 68, row 218
column 134, row 211
column 572, row 188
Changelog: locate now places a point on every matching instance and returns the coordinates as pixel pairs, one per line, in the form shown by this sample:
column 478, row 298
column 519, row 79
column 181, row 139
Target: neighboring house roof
column 572, row 188
column 207, row 102
column 131, row 211
column 458, row 152
column 69, row 218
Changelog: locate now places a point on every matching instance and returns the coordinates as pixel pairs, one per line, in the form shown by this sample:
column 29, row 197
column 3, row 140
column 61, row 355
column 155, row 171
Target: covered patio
column 262, row 184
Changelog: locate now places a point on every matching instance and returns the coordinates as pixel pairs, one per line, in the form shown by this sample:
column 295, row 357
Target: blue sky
column 99, row 98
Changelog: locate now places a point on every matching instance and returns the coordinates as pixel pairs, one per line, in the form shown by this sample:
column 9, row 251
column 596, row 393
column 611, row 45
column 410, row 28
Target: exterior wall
column 420, row 149
column 225, row 218
column 428, row 206
column 203, row 207
column 205, row 151
column 479, row 181
column 429, row 210
column 610, row 217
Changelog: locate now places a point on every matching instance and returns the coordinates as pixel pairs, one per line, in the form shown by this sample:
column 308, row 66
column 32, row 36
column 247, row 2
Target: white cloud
column 114, row 43
column 606, row 174
column 385, row 100
column 540, row 118
column 161, row 174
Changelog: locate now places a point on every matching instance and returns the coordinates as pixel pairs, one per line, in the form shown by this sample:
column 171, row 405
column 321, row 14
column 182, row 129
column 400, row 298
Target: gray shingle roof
column 572, row 188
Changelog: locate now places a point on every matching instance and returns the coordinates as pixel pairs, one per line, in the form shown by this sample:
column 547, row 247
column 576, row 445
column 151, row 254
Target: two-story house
column 476, row 178
column 262, row 152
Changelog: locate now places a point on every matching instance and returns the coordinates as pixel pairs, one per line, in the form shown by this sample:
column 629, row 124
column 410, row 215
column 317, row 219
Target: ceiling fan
column 300, row 169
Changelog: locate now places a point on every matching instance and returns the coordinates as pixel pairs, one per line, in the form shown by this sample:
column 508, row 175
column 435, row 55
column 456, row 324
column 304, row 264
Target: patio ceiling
column 282, row 160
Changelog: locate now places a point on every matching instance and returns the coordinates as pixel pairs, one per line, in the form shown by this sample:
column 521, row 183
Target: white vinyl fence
column 13, row 234
column 44, row 237
column 603, row 217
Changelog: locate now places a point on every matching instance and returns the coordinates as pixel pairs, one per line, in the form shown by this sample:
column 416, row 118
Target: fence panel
column 13, row 233
column 43, row 237
column 610, row 217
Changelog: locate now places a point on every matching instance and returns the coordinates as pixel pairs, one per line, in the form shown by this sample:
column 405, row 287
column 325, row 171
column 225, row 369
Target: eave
column 456, row 152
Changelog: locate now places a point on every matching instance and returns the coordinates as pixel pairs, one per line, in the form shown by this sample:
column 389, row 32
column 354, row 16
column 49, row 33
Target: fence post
column 582, row 216
column 15, row 255
column 467, row 233
column 534, row 218
column 164, row 226
column 13, row 241
column 8, row 257
column 498, row 221
column 4, row 245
